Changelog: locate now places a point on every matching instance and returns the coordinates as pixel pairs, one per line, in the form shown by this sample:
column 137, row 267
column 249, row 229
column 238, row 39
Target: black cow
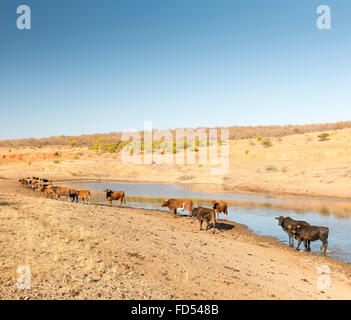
column 311, row 233
column 287, row 224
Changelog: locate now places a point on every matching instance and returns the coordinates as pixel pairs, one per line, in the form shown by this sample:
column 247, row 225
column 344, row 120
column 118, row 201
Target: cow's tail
column 88, row 200
column 124, row 199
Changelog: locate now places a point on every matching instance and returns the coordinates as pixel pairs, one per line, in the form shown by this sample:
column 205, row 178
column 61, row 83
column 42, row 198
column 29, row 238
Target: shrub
column 267, row 143
column 271, row 168
column 247, row 151
column 75, row 157
column 259, row 138
column 324, row 137
column 29, row 162
column 10, row 150
column 56, row 161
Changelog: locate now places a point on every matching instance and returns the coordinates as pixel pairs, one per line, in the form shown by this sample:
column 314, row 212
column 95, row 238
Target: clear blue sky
column 103, row 66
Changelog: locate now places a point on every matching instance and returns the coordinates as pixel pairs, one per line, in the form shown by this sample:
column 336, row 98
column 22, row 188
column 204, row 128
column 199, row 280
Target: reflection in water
column 254, row 211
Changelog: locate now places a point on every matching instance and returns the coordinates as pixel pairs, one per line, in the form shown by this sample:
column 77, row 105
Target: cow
column 219, row 207
column 46, row 190
column 73, row 195
column 311, row 233
column 207, row 214
column 287, row 223
column 22, row 181
column 35, row 185
column 84, row 196
column 115, row 195
column 181, row 204
column 45, row 181
column 59, row 192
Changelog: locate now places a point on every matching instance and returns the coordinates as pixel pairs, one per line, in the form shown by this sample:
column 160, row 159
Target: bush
column 75, row 157
column 10, row 150
column 247, row 151
column 259, row 138
column 267, row 143
column 324, row 137
column 271, row 168
column 29, row 162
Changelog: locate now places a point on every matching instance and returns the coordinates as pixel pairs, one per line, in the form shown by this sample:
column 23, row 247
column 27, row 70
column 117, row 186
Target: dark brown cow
column 287, row 224
column 115, row 195
column 73, row 195
column 311, row 233
column 207, row 214
column 181, row 204
column 220, row 207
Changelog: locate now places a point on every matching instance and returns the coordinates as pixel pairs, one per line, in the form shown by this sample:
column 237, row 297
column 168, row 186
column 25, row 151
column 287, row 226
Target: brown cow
column 207, row 214
column 181, row 204
column 220, row 206
column 115, row 195
column 22, row 181
column 84, row 196
column 46, row 190
column 59, row 192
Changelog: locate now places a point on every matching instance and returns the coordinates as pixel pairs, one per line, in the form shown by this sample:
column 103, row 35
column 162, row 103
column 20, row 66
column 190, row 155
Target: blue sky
column 103, row 66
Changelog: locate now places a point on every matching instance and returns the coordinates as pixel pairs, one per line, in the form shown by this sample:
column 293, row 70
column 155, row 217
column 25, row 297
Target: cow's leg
column 298, row 245
column 175, row 213
column 324, row 247
column 225, row 214
column 309, row 245
column 214, row 224
column 291, row 239
column 306, row 245
column 201, row 224
column 208, row 224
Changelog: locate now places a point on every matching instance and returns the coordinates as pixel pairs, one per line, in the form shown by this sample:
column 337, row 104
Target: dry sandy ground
column 295, row 165
column 75, row 251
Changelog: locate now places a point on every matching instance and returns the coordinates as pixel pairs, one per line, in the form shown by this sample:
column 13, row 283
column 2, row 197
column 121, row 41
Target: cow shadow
column 224, row 226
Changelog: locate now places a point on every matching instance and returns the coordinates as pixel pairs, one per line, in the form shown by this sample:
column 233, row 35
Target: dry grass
column 235, row 132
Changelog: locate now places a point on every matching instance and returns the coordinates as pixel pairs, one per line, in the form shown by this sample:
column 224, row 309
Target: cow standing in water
column 115, row 195
column 220, row 207
column 181, row 204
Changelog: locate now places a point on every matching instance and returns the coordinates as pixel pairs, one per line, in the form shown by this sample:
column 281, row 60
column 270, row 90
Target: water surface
column 256, row 212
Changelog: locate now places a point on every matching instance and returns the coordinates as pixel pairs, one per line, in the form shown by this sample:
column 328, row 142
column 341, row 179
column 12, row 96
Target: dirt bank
column 300, row 165
column 79, row 252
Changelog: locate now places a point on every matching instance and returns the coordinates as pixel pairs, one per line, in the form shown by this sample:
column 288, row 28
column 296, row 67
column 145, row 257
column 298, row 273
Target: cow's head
column 195, row 211
column 165, row 203
column 280, row 220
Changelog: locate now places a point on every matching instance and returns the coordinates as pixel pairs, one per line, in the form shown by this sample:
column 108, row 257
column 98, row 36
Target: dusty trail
column 97, row 252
